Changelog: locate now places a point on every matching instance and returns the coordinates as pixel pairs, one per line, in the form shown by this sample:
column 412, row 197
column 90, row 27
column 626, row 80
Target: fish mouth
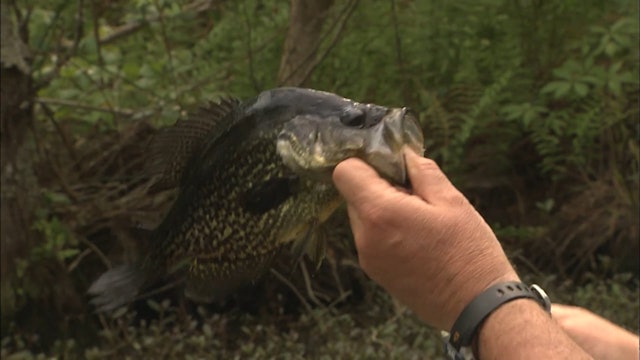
column 313, row 146
column 399, row 128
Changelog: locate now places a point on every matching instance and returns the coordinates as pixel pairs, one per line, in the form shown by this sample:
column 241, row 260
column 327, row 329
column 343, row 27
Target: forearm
column 520, row 329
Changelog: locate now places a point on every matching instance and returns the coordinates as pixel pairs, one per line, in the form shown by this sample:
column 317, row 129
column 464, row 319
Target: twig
column 123, row 31
column 400, row 64
column 394, row 19
column 96, row 35
column 79, row 105
column 307, row 283
column 120, row 32
column 257, row 87
column 293, row 288
column 135, row 25
column 65, row 140
column 165, row 42
column 334, row 271
column 119, row 76
column 95, row 249
column 77, row 260
column 63, row 58
column 63, row 182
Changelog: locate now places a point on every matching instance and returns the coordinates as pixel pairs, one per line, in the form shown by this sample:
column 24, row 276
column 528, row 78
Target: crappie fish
column 253, row 177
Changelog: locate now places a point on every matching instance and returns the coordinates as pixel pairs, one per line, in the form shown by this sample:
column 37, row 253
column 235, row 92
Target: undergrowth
column 380, row 329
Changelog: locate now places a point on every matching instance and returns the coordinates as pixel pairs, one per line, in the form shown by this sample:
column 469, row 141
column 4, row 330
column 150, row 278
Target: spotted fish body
column 254, row 177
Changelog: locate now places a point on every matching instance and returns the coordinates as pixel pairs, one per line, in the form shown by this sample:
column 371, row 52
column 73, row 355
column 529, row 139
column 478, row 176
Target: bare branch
column 96, row 34
column 131, row 27
column 334, row 39
column 79, row 105
column 257, row 87
column 63, row 135
column 123, row 31
column 166, row 43
column 394, row 19
column 312, row 59
column 62, row 60
column 197, row 6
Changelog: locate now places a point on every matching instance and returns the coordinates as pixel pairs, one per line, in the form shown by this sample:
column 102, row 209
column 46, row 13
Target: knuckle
column 428, row 165
column 374, row 215
column 455, row 198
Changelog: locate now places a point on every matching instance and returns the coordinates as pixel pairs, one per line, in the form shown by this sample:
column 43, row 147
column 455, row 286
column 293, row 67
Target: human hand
column 430, row 249
column 599, row 337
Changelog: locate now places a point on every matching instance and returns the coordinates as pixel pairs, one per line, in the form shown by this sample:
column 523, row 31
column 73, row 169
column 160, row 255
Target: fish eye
column 356, row 119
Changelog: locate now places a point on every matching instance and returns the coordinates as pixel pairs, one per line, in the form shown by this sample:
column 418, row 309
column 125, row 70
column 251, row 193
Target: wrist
column 466, row 326
column 521, row 327
column 514, row 314
column 477, row 285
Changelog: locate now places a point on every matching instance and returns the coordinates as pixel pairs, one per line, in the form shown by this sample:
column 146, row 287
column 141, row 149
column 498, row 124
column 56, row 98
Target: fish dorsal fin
column 173, row 146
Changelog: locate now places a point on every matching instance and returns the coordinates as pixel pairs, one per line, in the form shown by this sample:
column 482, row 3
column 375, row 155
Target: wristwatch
column 457, row 343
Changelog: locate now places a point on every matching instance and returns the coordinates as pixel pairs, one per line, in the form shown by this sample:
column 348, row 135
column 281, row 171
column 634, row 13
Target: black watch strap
column 473, row 315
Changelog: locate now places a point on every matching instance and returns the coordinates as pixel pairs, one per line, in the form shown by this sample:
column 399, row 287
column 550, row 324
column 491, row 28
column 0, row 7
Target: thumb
column 358, row 182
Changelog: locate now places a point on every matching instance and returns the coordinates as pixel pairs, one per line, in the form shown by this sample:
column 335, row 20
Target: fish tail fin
column 116, row 287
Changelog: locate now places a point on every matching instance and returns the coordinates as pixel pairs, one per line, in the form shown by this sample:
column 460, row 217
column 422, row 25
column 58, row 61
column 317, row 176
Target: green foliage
column 179, row 58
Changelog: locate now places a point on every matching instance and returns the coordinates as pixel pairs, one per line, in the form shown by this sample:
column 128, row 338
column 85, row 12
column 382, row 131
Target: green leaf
column 615, row 87
column 154, row 305
column 551, row 87
column 512, row 111
column 562, row 89
column 67, row 253
column 581, row 89
column 610, row 48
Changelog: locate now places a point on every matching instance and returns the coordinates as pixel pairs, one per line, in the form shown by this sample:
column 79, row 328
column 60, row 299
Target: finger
column 359, row 182
column 427, row 180
column 356, row 224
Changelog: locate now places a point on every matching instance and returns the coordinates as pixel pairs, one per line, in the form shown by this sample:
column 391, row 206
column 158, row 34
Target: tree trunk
column 36, row 294
column 16, row 116
column 306, row 20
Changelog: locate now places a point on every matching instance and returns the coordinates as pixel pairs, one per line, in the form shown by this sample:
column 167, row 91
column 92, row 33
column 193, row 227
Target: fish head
column 325, row 129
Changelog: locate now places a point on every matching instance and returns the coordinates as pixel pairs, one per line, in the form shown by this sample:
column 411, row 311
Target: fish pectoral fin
column 269, row 194
column 312, row 243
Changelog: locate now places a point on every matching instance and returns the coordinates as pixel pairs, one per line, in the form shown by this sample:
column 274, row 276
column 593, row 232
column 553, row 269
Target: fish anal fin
column 202, row 291
column 172, row 147
column 207, row 290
